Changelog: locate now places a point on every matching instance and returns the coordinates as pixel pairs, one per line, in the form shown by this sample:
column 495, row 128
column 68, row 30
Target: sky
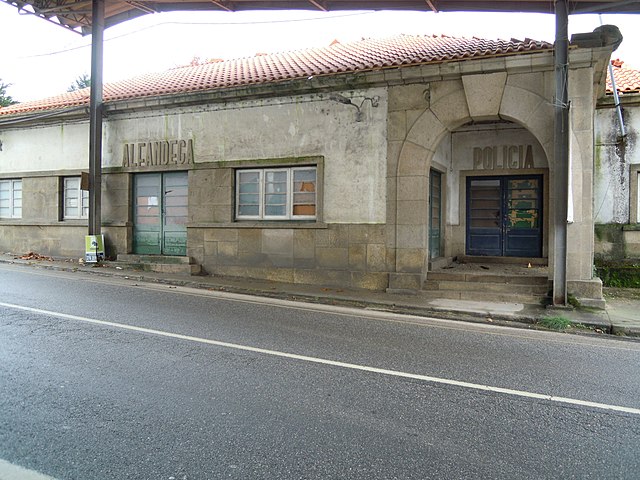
column 39, row 59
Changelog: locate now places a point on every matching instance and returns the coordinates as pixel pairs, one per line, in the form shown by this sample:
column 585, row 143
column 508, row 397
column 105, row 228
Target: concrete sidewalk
column 621, row 317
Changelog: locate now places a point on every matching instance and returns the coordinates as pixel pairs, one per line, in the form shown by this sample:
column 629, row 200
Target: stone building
column 365, row 164
column 617, row 169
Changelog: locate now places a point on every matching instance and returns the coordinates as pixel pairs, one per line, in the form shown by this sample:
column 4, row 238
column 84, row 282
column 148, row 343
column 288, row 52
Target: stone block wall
column 353, row 255
column 616, row 242
column 51, row 240
column 41, row 228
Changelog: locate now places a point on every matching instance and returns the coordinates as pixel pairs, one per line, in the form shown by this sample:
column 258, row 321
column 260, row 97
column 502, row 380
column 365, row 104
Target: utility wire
column 159, row 24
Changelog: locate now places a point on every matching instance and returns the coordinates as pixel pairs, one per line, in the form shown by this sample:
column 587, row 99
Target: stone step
column 176, row 265
column 484, row 296
column 165, row 259
column 179, row 269
column 506, row 288
column 540, row 262
column 474, row 277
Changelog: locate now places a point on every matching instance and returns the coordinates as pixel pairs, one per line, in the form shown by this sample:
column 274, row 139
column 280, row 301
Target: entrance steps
column 160, row 263
column 489, row 281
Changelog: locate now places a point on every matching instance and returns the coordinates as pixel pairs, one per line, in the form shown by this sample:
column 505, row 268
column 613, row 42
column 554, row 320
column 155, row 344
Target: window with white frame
column 10, row 198
column 276, row 193
column 76, row 201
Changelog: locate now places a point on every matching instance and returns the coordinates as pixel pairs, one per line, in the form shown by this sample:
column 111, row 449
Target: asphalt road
column 104, row 378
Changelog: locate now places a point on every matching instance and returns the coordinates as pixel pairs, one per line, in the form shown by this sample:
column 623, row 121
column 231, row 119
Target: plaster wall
column 614, row 199
column 58, row 147
column 617, row 182
column 296, row 126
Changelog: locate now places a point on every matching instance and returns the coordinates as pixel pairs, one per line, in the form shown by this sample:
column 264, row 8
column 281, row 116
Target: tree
column 83, row 81
column 5, row 100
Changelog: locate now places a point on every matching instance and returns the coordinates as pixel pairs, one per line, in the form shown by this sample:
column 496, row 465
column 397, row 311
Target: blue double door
column 504, row 216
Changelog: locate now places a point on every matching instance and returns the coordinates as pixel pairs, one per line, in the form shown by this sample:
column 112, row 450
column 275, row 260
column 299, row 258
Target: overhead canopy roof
column 76, row 14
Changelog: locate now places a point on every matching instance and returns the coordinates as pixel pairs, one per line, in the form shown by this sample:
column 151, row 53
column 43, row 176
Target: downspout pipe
column 561, row 153
column 616, row 98
column 95, row 119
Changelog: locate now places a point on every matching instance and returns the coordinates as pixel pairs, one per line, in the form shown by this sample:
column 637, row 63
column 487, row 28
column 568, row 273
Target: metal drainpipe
column 95, row 119
column 561, row 154
column 616, row 98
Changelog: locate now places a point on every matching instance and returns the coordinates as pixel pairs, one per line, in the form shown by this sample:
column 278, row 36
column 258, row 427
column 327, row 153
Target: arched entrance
column 481, row 130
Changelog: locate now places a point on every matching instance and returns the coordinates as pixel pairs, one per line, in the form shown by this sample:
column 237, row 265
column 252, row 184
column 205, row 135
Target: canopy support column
column 95, row 119
column 561, row 154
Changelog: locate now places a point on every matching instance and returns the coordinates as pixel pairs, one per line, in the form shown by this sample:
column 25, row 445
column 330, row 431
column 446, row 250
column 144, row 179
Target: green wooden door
column 160, row 213
column 174, row 213
column 435, row 213
column 147, row 219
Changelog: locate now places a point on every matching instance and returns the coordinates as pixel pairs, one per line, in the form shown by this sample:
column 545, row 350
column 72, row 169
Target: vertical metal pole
column 95, row 119
column 561, row 154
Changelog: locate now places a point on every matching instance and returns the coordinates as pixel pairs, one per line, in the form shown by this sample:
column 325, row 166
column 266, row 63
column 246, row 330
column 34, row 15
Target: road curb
column 583, row 322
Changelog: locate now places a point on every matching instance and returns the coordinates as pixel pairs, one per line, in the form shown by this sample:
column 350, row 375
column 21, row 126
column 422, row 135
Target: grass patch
column 555, row 323
column 620, row 274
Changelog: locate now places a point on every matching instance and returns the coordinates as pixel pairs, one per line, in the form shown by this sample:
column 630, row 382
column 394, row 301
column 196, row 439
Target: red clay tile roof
column 364, row 55
column 627, row 79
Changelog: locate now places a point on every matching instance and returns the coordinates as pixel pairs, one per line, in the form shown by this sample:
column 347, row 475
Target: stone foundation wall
column 50, row 240
column 616, row 242
column 352, row 255
column 58, row 240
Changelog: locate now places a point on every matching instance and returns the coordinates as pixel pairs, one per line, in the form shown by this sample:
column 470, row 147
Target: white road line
column 322, row 361
column 9, row 471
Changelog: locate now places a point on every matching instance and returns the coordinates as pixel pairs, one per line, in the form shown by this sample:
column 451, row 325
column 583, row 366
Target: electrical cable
column 160, row 24
column 38, row 116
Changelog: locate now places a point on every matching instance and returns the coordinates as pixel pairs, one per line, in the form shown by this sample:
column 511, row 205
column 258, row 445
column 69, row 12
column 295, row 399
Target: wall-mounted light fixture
column 336, row 97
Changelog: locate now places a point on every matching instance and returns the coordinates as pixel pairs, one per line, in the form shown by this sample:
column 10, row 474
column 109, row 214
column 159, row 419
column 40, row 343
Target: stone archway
column 447, row 105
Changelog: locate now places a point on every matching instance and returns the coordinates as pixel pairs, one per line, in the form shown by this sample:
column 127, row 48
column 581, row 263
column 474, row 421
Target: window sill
column 75, row 221
column 18, row 222
column 263, row 224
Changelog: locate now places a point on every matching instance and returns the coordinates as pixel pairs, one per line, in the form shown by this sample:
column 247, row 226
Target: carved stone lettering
column 141, row 154
column 182, row 154
column 126, row 160
column 528, row 159
column 190, row 155
column 504, row 157
column 173, row 144
column 158, row 153
column 150, row 156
